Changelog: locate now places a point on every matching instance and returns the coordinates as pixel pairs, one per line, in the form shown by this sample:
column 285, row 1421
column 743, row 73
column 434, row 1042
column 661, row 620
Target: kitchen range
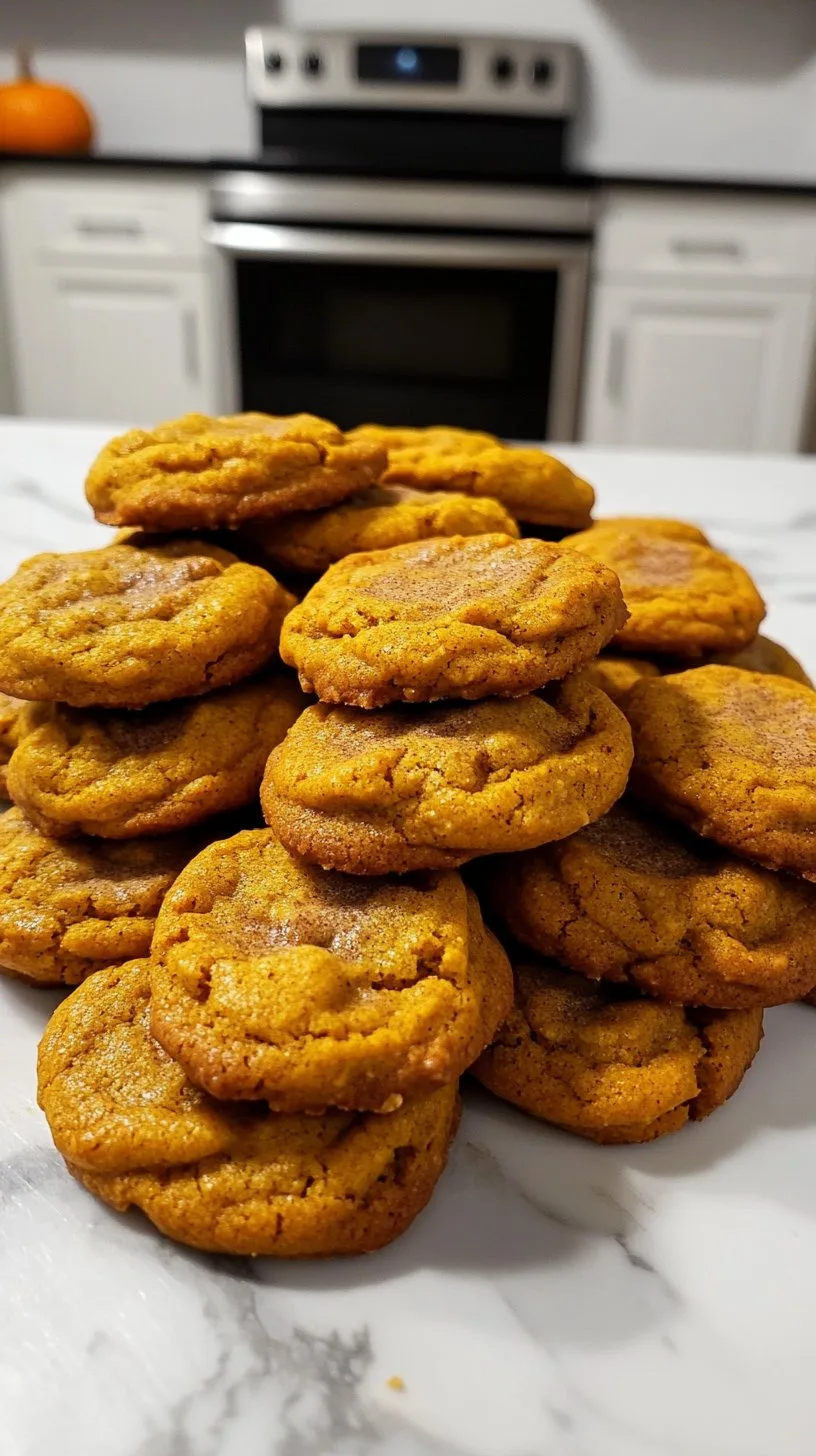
column 413, row 249
column 408, row 242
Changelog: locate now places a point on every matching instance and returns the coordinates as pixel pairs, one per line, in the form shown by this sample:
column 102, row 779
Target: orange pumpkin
column 36, row 116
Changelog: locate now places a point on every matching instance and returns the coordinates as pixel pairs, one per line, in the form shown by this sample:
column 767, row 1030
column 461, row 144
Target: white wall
column 705, row 88
column 7, row 400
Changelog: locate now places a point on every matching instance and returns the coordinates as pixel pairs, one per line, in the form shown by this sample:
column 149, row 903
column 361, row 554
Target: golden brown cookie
column 126, row 626
column 232, row 1178
column 663, row 526
column 684, row 598
column 205, row 471
column 12, row 719
column 460, row 617
column 615, row 675
column 385, row 515
column 532, row 485
column 636, row 899
column 121, row 775
column 765, row 655
column 732, row 754
column 612, row 1066
column 409, row 788
column 274, row 980
column 69, row 909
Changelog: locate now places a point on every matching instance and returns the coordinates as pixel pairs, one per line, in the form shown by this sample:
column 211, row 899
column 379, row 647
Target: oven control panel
column 381, row 71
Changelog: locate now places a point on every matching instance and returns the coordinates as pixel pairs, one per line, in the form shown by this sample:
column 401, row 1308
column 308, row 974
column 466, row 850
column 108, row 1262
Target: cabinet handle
column 615, row 365
column 722, row 248
column 192, row 356
column 109, row 227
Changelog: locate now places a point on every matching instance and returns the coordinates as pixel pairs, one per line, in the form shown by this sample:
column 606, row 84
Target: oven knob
column 312, row 64
column 541, row 71
column 273, row 62
column 503, row 69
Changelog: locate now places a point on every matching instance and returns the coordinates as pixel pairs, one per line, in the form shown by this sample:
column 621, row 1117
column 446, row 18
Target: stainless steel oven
column 378, row 275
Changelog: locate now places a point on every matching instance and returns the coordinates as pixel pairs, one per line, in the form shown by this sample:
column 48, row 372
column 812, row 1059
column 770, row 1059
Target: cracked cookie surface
column 410, row 788
column 386, row 515
column 456, row 617
column 203, row 471
column 684, row 599
column 67, row 909
column 122, row 775
column 126, row 626
column 613, row 1067
column 274, row 980
column 231, row 1178
column 636, row 900
column 732, row 754
column 533, row 485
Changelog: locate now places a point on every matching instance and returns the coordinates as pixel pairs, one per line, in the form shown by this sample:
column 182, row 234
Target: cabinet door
column 132, row 346
column 698, row 369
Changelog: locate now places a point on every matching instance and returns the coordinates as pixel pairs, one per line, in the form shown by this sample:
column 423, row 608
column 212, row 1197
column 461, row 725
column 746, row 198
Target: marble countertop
column 556, row 1299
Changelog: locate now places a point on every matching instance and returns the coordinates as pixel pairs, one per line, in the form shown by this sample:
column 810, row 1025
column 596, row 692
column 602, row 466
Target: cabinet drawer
column 110, row 219
column 667, row 235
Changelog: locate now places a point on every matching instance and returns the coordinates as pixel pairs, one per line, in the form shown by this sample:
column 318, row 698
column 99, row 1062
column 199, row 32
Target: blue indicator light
column 406, row 61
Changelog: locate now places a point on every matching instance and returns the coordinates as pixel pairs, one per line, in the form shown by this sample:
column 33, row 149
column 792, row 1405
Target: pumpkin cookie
column 409, row 789
column 615, row 675
column 229, row 1178
column 633, row 899
column 205, row 471
column 126, row 626
column 11, row 730
column 459, row 617
column 275, row 980
column 610, row 1066
column 532, row 485
column 765, row 655
column 120, row 775
column 386, row 515
column 69, row 909
column 662, row 526
column 684, row 598
column 733, row 755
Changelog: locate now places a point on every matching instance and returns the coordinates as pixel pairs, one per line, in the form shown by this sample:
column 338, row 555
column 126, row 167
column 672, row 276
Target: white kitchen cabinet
column 697, row 369
column 114, row 298
column 116, row 345
column 702, row 324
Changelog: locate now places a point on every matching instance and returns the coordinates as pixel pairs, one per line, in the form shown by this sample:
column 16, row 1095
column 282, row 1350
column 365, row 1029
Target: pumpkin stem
column 24, row 58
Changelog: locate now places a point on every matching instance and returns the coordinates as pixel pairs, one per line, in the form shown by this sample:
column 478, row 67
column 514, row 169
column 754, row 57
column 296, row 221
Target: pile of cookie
column 461, row 869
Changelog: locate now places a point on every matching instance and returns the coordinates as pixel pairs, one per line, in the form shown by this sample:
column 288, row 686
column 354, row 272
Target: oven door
column 410, row 327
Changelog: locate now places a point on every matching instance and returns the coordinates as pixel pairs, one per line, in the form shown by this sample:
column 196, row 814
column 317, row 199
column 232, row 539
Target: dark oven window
column 468, row 347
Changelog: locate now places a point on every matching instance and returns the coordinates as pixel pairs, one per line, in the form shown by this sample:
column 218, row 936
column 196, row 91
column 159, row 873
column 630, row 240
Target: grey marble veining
column 556, row 1299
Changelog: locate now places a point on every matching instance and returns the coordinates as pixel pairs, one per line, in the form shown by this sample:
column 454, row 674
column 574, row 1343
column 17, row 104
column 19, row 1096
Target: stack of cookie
column 281, row 1074
column 274, row 1067
column 281, row 1077
column 650, row 943
column 115, row 768
column 435, row 482
column 147, row 687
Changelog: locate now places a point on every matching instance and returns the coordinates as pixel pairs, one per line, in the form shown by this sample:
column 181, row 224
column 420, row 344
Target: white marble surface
column 557, row 1299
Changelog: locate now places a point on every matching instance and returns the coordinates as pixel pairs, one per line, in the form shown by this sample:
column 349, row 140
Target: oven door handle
column 274, row 240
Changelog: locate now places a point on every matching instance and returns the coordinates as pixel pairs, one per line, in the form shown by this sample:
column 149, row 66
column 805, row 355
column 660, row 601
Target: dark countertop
column 280, row 163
